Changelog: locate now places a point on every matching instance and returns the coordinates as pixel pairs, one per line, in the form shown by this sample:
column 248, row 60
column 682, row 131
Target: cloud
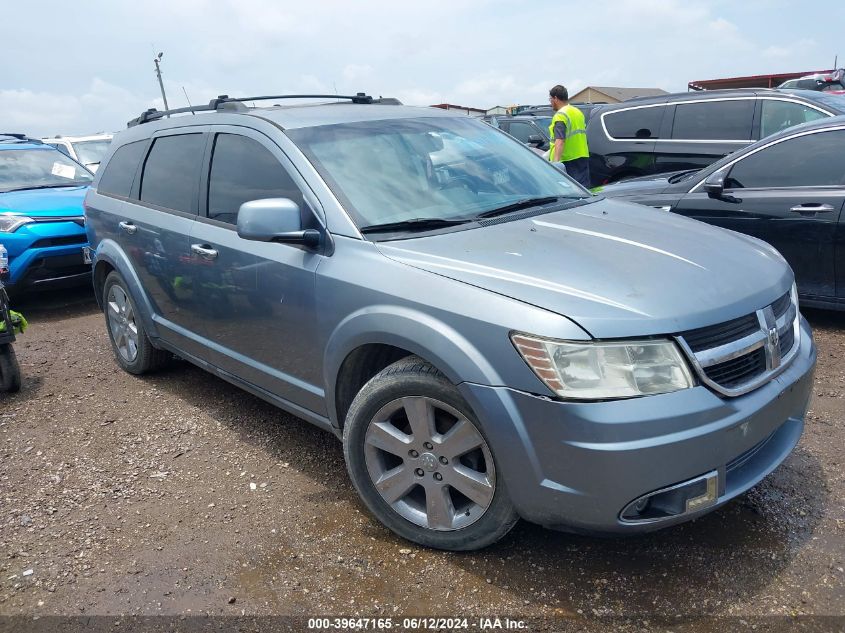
column 102, row 107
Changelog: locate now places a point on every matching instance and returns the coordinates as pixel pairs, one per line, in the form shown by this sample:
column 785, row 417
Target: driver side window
column 242, row 170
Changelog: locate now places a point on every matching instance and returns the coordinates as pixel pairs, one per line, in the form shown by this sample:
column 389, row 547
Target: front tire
column 420, row 461
column 132, row 347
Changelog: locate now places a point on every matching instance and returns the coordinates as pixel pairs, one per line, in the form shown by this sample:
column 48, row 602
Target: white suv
column 88, row 150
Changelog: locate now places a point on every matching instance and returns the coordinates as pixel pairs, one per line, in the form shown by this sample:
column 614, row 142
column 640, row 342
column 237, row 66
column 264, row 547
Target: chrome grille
column 739, row 355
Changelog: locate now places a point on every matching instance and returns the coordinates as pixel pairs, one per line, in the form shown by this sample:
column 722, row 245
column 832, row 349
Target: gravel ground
column 180, row 494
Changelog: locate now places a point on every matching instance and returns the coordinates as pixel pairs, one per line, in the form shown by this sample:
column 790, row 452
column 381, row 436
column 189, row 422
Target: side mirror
column 275, row 220
column 536, row 140
column 714, row 185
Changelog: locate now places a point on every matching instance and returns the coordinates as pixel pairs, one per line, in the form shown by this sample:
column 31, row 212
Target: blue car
column 41, row 215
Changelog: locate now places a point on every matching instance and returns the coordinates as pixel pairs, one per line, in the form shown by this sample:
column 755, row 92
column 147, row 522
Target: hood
column 617, row 269
column 652, row 184
column 40, row 203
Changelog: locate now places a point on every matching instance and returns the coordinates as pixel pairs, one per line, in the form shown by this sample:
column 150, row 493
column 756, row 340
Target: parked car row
column 653, row 135
column 787, row 189
column 691, row 130
column 488, row 339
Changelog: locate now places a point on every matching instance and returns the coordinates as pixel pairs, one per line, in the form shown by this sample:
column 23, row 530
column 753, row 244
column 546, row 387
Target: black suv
column 530, row 130
column 672, row 132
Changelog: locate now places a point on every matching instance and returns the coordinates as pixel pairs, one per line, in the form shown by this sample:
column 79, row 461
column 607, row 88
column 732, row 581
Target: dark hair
column 560, row 92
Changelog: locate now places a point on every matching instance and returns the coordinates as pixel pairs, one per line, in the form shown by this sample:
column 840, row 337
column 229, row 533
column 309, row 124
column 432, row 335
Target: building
column 465, row 109
column 751, row 81
column 609, row 94
column 499, row 110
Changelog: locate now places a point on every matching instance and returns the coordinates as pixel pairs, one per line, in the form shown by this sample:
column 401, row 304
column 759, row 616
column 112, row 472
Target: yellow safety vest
column 575, row 143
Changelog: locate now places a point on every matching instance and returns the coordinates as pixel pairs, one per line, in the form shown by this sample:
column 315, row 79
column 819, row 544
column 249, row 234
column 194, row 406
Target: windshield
column 831, row 101
column 38, row 169
column 428, row 168
column 91, row 151
column 544, row 122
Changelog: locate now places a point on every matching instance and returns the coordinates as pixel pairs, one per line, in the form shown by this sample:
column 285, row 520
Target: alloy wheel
column 124, row 331
column 430, row 463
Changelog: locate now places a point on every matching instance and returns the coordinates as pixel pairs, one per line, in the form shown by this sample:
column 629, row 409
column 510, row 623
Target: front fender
column 110, row 253
column 409, row 329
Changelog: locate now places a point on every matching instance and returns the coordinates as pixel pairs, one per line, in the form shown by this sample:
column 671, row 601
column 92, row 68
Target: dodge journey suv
column 489, row 340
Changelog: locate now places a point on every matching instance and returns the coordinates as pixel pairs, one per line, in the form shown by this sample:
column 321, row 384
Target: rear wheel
column 10, row 370
column 130, row 343
column 421, row 463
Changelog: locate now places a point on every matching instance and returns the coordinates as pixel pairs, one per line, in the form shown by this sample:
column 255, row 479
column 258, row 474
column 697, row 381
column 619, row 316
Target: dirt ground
column 180, row 494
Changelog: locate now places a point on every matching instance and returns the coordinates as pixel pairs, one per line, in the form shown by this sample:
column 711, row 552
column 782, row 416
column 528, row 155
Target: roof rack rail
column 225, row 102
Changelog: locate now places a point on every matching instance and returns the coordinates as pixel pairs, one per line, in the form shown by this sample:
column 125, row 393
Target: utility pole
column 160, row 83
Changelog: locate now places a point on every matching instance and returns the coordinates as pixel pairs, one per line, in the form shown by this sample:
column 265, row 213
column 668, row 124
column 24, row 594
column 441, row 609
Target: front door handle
column 204, row 250
column 811, row 209
column 128, row 227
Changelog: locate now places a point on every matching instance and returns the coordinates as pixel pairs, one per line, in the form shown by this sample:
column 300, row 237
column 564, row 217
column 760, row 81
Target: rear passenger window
column 714, row 120
column 636, row 123
column 241, row 170
column 172, row 171
column 120, row 170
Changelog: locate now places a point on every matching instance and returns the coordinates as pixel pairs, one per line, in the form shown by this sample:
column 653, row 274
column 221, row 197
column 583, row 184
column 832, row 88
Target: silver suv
column 489, row 340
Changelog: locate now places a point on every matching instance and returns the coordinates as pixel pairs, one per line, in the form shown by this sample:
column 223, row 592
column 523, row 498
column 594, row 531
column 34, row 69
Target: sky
column 87, row 66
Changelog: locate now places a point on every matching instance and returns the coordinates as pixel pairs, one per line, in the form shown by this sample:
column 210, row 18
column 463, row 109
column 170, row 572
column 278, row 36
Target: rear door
column 258, row 305
column 701, row 132
column 790, row 194
column 154, row 230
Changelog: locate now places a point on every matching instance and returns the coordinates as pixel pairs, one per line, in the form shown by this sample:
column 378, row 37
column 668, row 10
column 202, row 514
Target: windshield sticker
column 63, row 171
column 501, row 176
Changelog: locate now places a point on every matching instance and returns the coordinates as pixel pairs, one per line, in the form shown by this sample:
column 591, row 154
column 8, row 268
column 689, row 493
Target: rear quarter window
column 638, row 123
column 119, row 172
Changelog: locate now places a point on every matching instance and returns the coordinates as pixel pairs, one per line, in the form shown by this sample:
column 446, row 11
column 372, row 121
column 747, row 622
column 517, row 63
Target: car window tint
column 806, row 161
column 714, row 120
column 241, row 170
column 778, row 115
column 636, row 123
column 120, row 171
column 171, row 172
column 521, row 131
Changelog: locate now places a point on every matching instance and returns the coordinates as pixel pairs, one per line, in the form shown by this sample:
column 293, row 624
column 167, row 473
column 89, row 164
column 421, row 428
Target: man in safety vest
column 568, row 133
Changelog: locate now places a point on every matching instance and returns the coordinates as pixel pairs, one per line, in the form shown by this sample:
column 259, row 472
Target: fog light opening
column 683, row 498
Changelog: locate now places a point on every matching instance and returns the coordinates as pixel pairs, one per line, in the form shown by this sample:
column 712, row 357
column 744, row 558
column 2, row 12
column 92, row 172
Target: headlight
column 599, row 371
column 10, row 222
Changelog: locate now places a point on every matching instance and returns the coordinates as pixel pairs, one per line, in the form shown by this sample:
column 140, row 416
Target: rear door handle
column 204, row 250
column 811, row 209
column 128, row 227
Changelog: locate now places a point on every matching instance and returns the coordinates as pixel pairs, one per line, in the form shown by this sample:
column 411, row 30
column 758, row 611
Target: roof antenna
column 190, row 105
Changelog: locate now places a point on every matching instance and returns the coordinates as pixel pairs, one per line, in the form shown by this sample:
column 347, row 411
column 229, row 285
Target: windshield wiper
column 69, row 184
column 526, row 203
column 414, row 224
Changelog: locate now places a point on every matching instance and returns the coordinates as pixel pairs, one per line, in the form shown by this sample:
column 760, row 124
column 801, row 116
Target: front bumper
column 576, row 466
column 46, row 254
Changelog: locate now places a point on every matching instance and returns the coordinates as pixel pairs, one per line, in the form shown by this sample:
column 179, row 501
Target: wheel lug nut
column 438, row 476
column 428, row 445
column 443, row 460
column 413, row 453
column 419, row 472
